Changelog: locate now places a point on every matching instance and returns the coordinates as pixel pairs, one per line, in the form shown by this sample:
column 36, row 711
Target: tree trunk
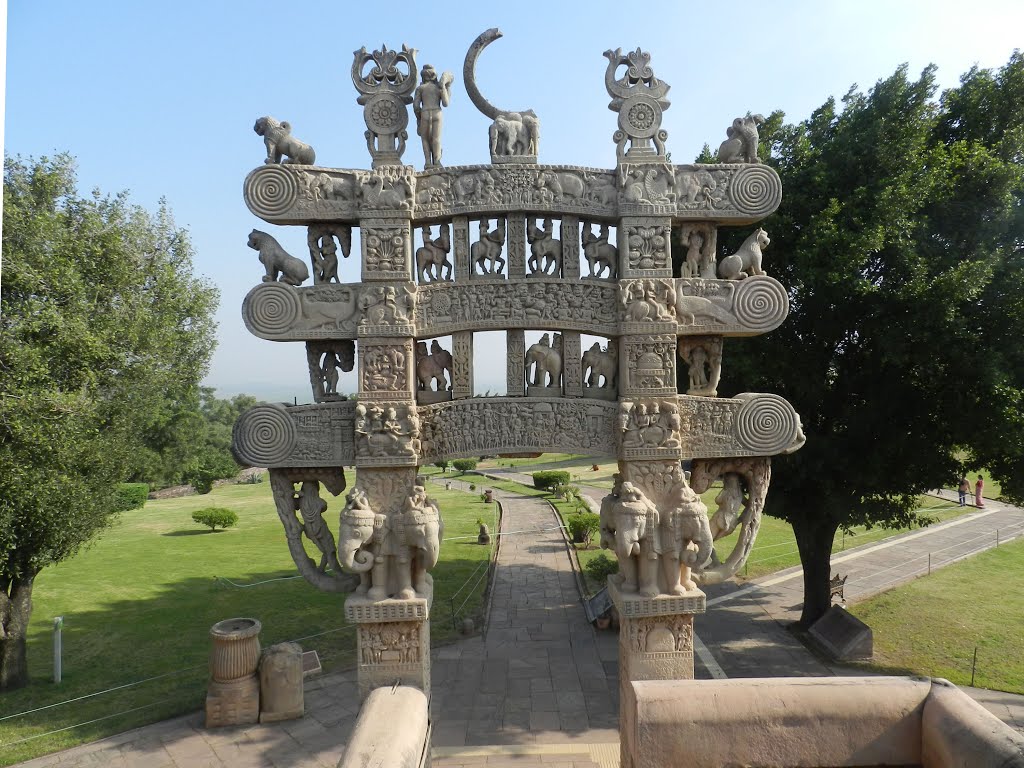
column 814, row 540
column 15, row 610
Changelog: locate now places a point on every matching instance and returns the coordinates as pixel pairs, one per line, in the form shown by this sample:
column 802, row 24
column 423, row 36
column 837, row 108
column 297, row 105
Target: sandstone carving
column 486, row 252
column 741, row 146
column 544, row 362
column 279, row 264
column 545, row 251
column 277, row 136
column 703, row 356
column 385, row 92
column 601, row 368
column 602, row 256
column 323, row 252
column 325, row 360
column 747, row 260
column 431, row 95
column 639, row 98
column 432, row 262
column 433, row 372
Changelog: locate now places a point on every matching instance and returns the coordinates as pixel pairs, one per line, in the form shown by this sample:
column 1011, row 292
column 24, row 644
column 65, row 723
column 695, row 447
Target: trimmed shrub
column 582, row 527
column 442, row 465
column 214, row 516
column 464, row 465
column 601, row 567
column 546, row 480
column 131, row 496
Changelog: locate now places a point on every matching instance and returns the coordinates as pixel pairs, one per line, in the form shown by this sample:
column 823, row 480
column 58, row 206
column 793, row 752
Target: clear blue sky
column 160, row 98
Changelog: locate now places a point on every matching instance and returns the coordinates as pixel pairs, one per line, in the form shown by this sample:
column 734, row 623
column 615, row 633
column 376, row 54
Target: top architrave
column 726, row 194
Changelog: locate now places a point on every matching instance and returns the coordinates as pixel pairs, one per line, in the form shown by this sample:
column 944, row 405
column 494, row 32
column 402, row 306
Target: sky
column 160, row 99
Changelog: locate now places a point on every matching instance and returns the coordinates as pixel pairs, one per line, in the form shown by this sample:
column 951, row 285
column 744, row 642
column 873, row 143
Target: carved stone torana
column 386, row 369
column 703, row 358
column 385, row 91
column 648, row 366
column 325, row 360
column 452, row 251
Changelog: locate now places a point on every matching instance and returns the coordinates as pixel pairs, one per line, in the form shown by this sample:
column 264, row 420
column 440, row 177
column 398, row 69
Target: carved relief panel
column 385, row 369
column 648, row 365
column 387, row 250
column 645, row 247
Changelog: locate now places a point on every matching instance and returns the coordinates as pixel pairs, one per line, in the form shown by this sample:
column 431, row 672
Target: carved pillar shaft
column 516, row 362
column 460, row 244
column 462, row 365
column 516, row 245
column 570, row 235
column 572, row 371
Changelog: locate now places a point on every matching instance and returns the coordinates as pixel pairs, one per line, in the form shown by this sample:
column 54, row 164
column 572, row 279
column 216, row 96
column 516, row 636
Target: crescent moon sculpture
column 514, row 135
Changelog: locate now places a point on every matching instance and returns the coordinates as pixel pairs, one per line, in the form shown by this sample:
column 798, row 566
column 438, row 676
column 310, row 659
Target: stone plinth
column 233, row 693
column 655, row 643
column 282, row 696
column 393, row 642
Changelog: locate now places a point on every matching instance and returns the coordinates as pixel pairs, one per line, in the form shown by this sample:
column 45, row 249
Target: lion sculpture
column 279, row 141
column 279, row 263
column 741, row 146
column 747, row 260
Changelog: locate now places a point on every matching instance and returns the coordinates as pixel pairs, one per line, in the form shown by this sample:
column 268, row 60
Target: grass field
column 932, row 625
column 140, row 601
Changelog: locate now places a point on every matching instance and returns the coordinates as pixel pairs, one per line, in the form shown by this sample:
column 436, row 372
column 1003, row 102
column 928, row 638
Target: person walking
column 964, row 489
column 978, row 488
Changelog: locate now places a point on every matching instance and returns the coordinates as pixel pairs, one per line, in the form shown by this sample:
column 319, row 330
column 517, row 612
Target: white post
column 58, row 624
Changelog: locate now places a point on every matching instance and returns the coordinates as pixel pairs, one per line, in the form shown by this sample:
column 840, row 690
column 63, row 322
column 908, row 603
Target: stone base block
column 534, row 390
column 601, row 393
column 281, row 690
column 393, row 642
column 429, row 397
column 634, row 605
column 842, row 636
column 236, row 702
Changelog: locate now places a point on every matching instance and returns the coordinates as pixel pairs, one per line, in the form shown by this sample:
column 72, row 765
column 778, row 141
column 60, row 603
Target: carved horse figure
column 601, row 363
column 432, row 258
column 545, row 251
column 601, row 255
column 545, row 360
column 488, row 249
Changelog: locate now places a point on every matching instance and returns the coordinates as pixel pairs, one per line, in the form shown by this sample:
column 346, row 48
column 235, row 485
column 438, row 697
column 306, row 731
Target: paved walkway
column 540, row 688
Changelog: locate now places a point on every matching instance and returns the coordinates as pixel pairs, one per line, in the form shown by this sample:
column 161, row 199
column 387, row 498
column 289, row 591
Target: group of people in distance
column 965, row 487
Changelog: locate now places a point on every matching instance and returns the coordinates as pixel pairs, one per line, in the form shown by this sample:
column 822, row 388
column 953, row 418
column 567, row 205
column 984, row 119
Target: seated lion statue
column 279, row 141
column 277, row 261
column 747, row 260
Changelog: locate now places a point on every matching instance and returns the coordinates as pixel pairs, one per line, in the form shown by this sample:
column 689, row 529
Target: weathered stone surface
column 393, row 730
column 281, row 691
column 842, row 635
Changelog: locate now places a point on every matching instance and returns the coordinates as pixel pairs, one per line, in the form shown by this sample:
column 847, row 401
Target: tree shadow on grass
column 188, row 533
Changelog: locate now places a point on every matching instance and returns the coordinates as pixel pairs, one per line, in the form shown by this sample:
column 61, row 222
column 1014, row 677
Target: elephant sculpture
column 687, row 541
column 601, row 364
column 431, row 368
column 545, row 359
column 391, row 553
column 630, row 525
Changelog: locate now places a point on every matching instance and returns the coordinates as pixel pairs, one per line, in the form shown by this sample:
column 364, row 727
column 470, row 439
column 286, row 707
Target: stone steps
column 603, row 755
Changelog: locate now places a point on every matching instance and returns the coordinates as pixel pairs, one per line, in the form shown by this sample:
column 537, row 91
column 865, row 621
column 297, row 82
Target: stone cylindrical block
column 236, row 649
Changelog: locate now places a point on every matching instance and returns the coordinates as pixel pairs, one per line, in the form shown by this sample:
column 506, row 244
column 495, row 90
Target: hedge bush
column 546, row 480
column 600, row 567
column 464, row 465
column 214, row 516
column 131, row 495
column 583, row 526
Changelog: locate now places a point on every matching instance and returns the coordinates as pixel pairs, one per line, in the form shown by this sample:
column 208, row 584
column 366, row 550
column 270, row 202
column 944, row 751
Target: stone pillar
column 515, row 245
column 570, row 234
column 460, row 244
column 462, row 365
column 572, row 364
column 393, row 642
column 516, row 362
column 655, row 643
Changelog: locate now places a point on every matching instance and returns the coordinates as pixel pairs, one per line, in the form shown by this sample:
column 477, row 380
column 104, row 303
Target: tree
column 101, row 324
column 899, row 239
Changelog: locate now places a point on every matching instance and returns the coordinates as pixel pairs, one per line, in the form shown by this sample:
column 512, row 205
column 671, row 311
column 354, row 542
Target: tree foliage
column 214, row 516
column 101, row 324
column 900, row 240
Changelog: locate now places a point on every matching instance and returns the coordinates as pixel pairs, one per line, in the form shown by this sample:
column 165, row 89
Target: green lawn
column 932, row 625
column 140, row 601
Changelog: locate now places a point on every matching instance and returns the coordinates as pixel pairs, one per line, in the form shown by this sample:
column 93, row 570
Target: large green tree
column 101, row 324
column 900, row 240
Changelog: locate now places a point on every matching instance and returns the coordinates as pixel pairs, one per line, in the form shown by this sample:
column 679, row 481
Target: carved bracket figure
column 323, row 253
column 747, row 260
column 278, row 139
column 703, row 355
column 385, row 92
column 513, row 137
column 741, row 146
column 279, row 263
column 324, row 360
column 327, row 575
column 639, row 98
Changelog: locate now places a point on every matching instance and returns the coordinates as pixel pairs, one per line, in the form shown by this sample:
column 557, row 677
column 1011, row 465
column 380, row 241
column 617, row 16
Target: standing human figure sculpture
column 979, row 486
column 431, row 95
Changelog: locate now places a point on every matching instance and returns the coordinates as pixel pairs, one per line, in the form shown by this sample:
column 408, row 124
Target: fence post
column 58, row 642
column 997, row 537
column 974, row 664
column 929, row 563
